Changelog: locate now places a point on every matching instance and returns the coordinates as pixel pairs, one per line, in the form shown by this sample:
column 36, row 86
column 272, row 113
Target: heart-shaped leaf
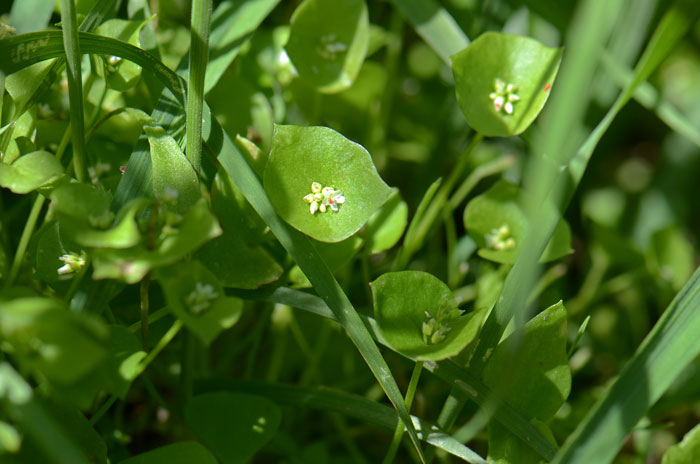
column 497, row 223
column 328, row 42
column 233, row 425
column 502, row 82
column 322, row 183
column 418, row 316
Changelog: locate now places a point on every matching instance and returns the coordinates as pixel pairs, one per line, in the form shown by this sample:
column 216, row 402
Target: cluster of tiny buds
column 504, row 96
column 500, row 239
column 323, row 198
column 72, row 262
column 201, row 298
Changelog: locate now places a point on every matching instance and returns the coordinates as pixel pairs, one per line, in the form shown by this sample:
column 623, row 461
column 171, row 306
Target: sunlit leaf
column 503, row 81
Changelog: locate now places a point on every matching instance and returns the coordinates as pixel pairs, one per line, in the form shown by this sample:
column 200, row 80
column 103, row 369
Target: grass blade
column 671, row 345
column 435, row 25
column 199, row 53
column 465, row 385
column 75, row 87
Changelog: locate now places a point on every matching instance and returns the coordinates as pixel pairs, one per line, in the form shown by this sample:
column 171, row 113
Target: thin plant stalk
column 398, row 432
column 199, row 53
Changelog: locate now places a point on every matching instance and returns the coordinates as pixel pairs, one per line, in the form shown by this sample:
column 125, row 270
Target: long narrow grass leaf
column 435, row 25
column 74, row 73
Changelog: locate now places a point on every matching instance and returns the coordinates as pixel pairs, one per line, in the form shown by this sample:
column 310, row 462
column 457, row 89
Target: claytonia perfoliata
column 324, row 199
column 504, row 96
column 201, row 298
column 500, row 239
column 436, row 328
column 72, row 262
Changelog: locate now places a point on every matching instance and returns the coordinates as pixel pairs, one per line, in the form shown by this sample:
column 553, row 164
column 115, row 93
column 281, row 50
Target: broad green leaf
column 497, row 223
column 530, row 367
column 186, row 452
column 302, row 156
column 46, row 248
column 30, row 15
column 196, row 297
column 233, row 425
column 488, row 66
column 685, row 452
column 10, row 439
column 328, row 42
column 386, row 226
column 120, row 74
column 30, row 172
column 418, row 316
column 47, row 338
column 197, row 227
column 175, row 182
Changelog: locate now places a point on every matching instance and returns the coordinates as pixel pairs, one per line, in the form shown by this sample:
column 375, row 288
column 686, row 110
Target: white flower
column 504, row 96
column 72, row 262
column 324, row 199
column 201, row 297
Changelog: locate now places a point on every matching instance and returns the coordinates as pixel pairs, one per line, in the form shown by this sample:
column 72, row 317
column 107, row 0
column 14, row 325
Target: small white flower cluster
column 504, row 96
column 72, row 262
column 435, row 329
column 201, row 298
column 500, row 239
column 324, row 198
column 329, row 48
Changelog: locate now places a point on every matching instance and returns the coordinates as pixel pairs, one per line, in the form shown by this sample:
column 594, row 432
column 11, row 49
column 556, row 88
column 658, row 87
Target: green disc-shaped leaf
column 418, row 316
column 685, row 452
column 530, row 369
column 186, row 452
column 233, row 425
column 502, row 82
column 328, row 42
column 196, row 297
column 29, row 172
column 506, row 448
column 386, row 226
column 302, row 156
column 497, row 223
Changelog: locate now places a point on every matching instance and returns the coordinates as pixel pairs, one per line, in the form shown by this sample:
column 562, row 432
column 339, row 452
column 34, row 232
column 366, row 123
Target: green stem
column 24, row 239
column 162, row 343
column 145, row 283
column 398, row 432
column 199, row 53
column 481, row 172
column 434, row 211
column 103, row 409
column 75, row 87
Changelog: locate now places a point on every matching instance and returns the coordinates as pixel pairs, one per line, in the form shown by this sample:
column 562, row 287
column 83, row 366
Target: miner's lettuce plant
column 197, row 195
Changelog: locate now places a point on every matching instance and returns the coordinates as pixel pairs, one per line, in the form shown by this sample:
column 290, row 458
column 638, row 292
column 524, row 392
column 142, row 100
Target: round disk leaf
column 527, row 64
column 496, row 216
column 328, row 42
column 301, row 156
column 233, row 425
column 404, row 301
column 386, row 226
